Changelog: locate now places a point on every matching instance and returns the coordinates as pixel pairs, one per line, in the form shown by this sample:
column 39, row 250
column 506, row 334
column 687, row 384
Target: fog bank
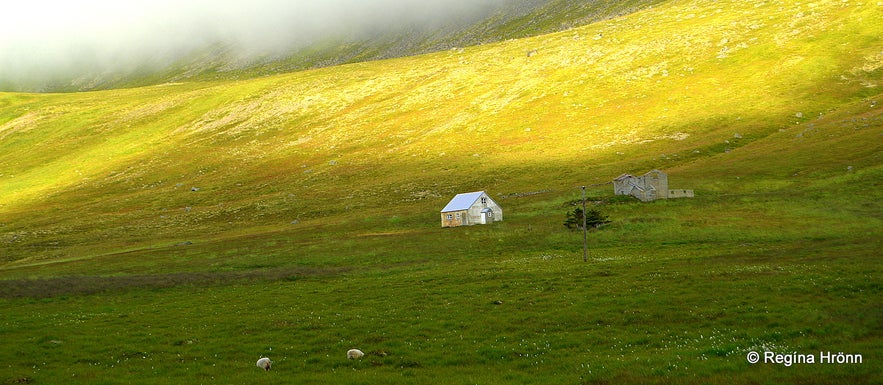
column 45, row 41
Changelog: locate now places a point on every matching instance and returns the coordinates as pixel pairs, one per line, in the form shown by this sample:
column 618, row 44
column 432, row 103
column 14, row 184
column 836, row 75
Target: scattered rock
column 194, row 189
column 737, row 136
column 294, row 222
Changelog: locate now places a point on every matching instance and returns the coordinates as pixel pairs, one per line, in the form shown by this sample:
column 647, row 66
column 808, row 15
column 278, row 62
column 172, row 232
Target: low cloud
column 47, row 40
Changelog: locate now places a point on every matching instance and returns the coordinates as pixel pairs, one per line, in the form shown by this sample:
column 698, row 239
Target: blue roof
column 462, row 201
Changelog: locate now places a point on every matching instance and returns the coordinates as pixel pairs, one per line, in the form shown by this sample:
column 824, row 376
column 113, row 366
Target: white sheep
column 264, row 363
column 354, row 354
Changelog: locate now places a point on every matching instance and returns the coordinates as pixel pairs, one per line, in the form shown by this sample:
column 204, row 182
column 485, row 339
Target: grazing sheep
column 264, row 362
column 354, row 354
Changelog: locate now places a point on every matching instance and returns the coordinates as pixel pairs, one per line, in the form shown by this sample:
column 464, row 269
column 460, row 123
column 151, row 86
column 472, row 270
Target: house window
column 451, row 216
column 484, row 201
column 458, row 215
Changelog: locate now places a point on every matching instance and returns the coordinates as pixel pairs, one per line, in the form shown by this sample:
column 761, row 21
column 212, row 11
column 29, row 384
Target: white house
column 471, row 209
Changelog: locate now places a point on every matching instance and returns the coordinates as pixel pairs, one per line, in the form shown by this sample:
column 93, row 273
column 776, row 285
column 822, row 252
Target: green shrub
column 594, row 218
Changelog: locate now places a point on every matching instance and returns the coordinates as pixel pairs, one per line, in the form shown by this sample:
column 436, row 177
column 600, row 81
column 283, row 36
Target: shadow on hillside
column 79, row 285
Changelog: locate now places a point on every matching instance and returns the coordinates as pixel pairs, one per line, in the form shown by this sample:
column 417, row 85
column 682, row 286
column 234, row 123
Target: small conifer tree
column 594, row 219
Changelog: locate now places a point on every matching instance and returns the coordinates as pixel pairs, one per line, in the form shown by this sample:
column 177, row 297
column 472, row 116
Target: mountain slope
column 176, row 233
column 688, row 86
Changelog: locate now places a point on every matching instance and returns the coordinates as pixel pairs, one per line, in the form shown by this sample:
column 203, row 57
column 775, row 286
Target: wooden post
column 585, row 230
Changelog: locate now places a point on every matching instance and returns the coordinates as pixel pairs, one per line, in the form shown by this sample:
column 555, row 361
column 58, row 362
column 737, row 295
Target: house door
column 487, row 216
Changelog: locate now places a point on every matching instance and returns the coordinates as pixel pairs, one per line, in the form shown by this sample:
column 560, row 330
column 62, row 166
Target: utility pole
column 585, row 230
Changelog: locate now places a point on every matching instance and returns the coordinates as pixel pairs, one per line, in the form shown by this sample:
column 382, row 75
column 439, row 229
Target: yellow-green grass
column 318, row 196
column 607, row 98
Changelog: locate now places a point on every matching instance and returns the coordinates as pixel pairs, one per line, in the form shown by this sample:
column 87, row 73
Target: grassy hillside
column 178, row 232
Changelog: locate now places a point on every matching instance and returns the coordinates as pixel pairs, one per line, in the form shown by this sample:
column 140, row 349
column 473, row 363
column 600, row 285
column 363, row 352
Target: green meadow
column 176, row 233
